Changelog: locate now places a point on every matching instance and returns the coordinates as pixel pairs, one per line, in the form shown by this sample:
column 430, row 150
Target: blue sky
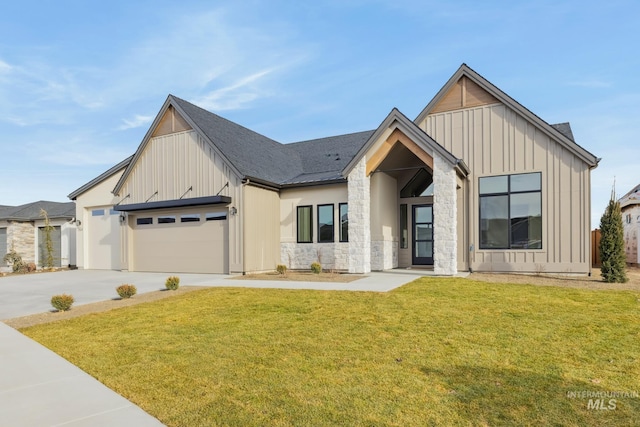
column 80, row 82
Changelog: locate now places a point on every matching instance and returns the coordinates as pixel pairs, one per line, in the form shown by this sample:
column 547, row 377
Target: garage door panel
column 193, row 247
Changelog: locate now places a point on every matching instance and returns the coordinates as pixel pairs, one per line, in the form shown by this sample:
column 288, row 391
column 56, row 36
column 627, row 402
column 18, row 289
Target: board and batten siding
column 496, row 140
column 262, row 227
column 184, row 165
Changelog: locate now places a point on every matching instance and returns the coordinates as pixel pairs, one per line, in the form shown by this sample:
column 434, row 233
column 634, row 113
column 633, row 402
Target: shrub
column 281, row 269
column 316, row 268
column 14, row 258
column 31, row 267
column 172, row 283
column 62, row 302
column 614, row 266
column 126, row 291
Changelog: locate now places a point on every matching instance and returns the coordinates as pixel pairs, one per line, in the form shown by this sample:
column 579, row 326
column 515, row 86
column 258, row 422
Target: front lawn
column 434, row 352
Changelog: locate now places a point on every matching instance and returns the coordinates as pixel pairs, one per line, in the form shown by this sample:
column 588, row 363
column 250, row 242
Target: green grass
column 434, row 352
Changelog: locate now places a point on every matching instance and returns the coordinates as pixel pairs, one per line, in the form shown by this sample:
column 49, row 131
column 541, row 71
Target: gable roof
column 31, row 211
column 397, row 120
column 557, row 132
column 249, row 153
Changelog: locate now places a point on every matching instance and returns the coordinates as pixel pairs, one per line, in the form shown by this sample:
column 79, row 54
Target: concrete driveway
column 27, row 294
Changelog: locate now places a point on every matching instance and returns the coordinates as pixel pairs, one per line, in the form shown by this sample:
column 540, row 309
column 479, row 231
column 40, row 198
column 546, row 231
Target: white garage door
column 184, row 241
column 103, row 239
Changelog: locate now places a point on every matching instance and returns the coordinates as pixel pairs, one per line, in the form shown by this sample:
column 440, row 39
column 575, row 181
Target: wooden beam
column 397, row 137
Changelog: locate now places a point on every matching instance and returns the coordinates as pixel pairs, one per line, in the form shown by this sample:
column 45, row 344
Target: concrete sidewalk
column 39, row 388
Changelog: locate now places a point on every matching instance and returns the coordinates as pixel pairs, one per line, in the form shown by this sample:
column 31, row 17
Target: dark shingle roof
column 254, row 155
column 31, row 211
column 565, row 129
column 323, row 159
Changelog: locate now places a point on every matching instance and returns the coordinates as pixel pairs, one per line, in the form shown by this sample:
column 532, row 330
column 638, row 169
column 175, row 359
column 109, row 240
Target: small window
column 419, row 186
column 167, row 219
column 628, row 218
column 343, row 209
column 325, row 224
column 404, row 229
column 97, row 212
column 216, row 216
column 305, row 224
column 190, row 218
column 144, row 221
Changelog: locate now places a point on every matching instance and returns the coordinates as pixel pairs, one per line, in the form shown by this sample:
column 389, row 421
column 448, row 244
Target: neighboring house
column 630, row 206
column 22, row 228
column 475, row 182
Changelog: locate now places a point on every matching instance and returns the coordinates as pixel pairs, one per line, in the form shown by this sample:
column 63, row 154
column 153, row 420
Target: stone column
column 445, row 217
column 359, row 197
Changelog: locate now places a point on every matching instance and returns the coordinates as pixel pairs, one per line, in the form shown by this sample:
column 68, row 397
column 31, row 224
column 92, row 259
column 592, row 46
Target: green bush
column 126, row 291
column 172, row 283
column 316, row 268
column 14, row 258
column 62, row 302
column 281, row 269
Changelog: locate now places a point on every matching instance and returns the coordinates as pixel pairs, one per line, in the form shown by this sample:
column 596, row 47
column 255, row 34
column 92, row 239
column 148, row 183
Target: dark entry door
column 422, row 235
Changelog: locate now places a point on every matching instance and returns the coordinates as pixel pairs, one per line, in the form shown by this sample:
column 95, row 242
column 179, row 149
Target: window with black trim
column 343, row 215
column 216, row 216
column 144, row 221
column 167, row 219
column 325, row 224
column 511, row 211
column 305, row 224
column 190, row 218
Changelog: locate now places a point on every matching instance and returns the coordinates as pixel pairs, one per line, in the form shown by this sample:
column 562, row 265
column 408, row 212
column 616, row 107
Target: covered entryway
column 103, row 243
column 187, row 240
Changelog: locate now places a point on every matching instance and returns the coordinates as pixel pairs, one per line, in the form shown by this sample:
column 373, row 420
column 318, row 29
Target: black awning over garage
column 196, row 201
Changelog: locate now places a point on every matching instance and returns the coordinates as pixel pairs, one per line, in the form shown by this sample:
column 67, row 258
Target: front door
column 422, row 239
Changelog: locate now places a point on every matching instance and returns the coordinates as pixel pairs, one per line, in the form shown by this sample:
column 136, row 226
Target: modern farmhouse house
column 475, row 182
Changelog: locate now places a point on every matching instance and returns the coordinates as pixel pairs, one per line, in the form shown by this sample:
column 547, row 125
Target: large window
column 344, row 222
column 325, row 224
column 305, row 224
column 511, row 211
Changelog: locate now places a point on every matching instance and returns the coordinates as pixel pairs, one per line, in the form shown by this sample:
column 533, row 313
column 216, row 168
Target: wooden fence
column 595, row 248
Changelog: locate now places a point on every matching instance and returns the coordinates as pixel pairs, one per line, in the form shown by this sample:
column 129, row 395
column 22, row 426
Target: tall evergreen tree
column 614, row 266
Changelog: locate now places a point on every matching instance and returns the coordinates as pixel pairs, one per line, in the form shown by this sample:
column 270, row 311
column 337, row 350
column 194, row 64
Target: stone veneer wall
column 384, row 255
column 23, row 238
column 359, row 192
column 445, row 217
column 300, row 256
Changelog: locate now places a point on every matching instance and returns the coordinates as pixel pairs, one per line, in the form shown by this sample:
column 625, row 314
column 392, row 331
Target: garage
column 184, row 240
column 103, row 247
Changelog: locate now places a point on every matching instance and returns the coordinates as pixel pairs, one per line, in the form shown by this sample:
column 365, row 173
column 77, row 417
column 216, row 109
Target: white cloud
column 136, row 122
column 4, row 67
column 236, row 95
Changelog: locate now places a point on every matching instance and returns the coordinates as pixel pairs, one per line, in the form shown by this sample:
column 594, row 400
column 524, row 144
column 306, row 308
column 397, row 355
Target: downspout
column 245, row 182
